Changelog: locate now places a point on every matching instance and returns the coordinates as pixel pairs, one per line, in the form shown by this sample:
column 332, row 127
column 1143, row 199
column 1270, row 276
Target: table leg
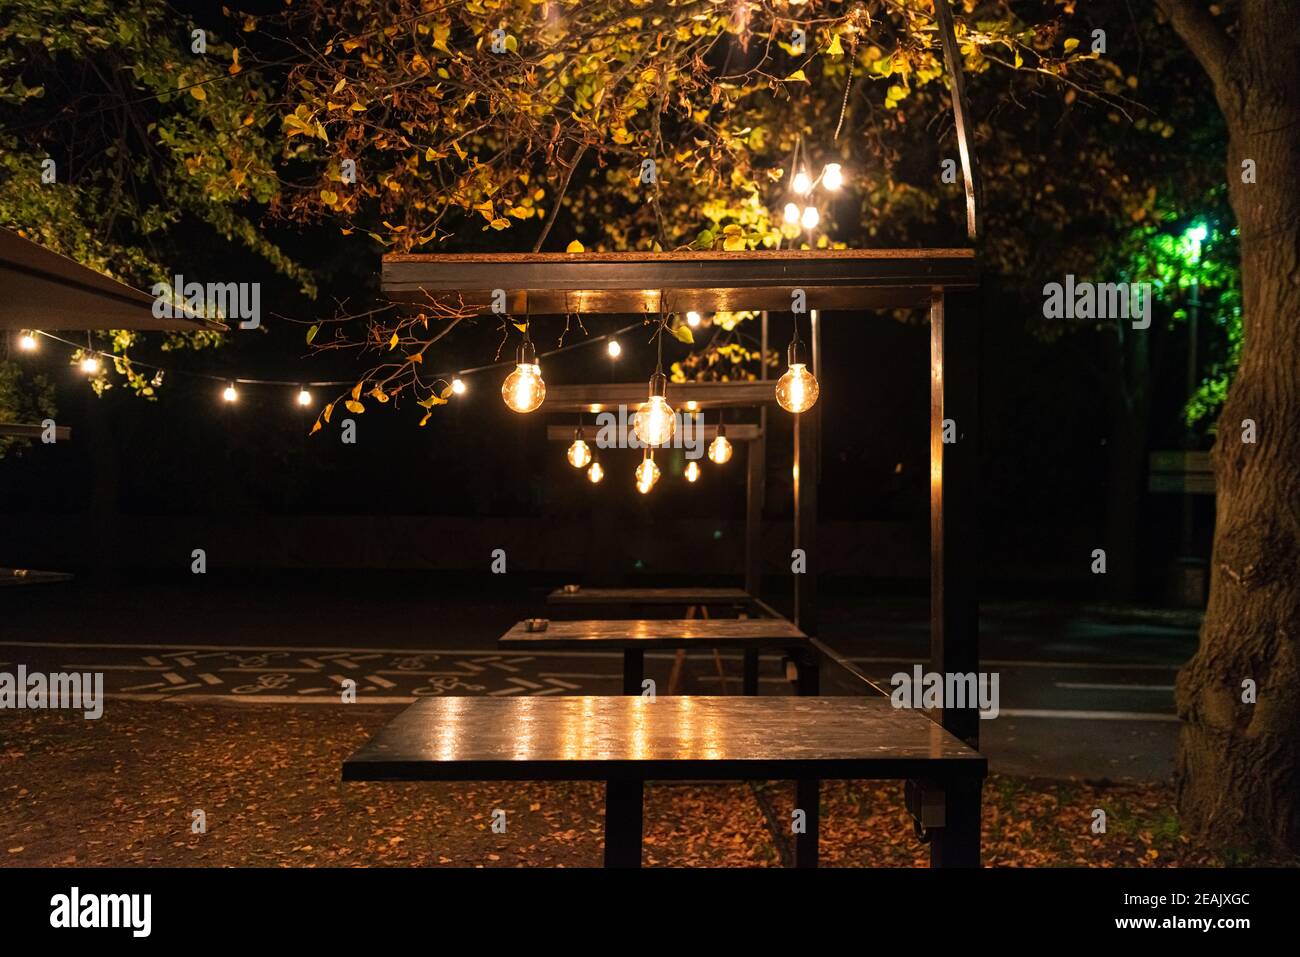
column 623, row 823
column 751, row 673
column 807, row 798
column 809, row 676
column 633, row 670
column 957, row 843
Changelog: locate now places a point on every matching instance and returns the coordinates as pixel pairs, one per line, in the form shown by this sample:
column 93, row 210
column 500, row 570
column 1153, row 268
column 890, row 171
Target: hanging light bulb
column 791, row 213
column 304, row 396
column 458, row 386
column 802, row 183
column 810, row 217
column 579, row 453
column 692, row 470
column 595, row 473
column 693, row 319
column 524, row 389
column 797, row 390
column 655, row 422
column 230, row 395
column 832, row 176
column 647, row 474
column 27, row 342
column 90, row 365
column 615, row 350
column 720, row 448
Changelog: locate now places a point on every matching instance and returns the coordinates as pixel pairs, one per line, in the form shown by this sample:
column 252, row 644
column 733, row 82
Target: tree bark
column 1238, row 769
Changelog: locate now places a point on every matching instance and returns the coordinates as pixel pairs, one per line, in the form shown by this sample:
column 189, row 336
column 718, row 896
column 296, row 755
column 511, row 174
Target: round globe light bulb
column 693, row 319
column 27, row 342
column 458, row 386
column 692, row 471
column 615, row 350
column 810, row 217
column 797, row 390
column 579, row 454
column 595, row 473
column 720, row 450
column 304, row 397
column 230, row 395
column 524, row 389
column 655, row 423
column 833, row 176
column 90, row 365
column 802, row 183
column 791, row 213
column 647, row 474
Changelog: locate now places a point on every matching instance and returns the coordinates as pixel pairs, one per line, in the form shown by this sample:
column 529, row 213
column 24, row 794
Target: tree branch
column 1205, row 38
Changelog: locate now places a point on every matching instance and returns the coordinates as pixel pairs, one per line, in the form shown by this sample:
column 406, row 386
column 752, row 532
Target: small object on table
column 571, row 589
column 536, row 624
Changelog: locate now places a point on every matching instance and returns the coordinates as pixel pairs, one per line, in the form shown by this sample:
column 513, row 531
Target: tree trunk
column 1238, row 771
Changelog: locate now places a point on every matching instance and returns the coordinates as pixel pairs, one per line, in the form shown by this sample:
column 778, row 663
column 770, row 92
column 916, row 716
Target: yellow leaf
column 379, row 394
column 329, row 410
column 500, row 223
column 392, row 343
column 425, row 419
column 352, row 406
column 797, row 77
column 329, row 197
column 683, row 332
column 835, row 49
column 315, row 428
column 446, row 393
column 575, row 247
column 1070, row 44
column 356, row 390
column 343, row 81
column 311, row 333
column 198, row 93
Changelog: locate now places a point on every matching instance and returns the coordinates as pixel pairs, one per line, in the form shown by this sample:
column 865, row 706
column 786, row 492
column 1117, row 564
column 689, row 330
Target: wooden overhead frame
column 637, row 283
column 832, row 280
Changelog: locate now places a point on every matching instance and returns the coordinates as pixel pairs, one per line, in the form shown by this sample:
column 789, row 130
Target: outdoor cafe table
column 684, row 597
column 628, row 740
column 634, row 636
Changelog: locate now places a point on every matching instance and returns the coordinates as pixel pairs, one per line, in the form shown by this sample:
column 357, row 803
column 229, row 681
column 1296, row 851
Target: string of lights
column 93, row 359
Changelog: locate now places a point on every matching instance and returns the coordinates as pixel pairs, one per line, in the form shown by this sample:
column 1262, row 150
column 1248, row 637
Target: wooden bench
column 626, row 741
column 634, row 636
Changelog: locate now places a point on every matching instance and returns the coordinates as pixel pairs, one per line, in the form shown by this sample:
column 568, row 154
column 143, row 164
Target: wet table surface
column 666, row 738
column 649, row 596
column 658, row 633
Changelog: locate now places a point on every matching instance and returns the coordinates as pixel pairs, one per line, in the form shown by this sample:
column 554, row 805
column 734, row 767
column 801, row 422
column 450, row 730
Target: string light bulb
column 655, row 422
column 720, row 448
column 579, row 454
column 524, row 391
column 231, row 394
column 797, row 390
column 692, row 470
column 647, row 474
column 802, row 183
column 810, row 217
column 458, row 386
column 90, row 365
column 615, row 350
column 832, row 176
column 304, row 396
column 791, row 213
column 693, row 319
column 27, row 342
column 595, row 473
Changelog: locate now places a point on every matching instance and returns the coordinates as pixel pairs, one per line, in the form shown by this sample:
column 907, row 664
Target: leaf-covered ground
column 121, row 791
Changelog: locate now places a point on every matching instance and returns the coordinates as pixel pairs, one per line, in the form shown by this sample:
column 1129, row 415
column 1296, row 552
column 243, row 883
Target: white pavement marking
column 382, row 682
column 90, row 667
column 221, row 649
column 210, row 678
column 151, row 660
column 173, row 678
column 1111, row 687
column 1086, row 715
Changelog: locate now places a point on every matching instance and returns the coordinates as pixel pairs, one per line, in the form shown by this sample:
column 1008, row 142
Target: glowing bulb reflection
column 791, row 213
column 810, row 217
column 802, row 183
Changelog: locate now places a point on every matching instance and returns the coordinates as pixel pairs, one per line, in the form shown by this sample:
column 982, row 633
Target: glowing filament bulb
column 647, row 474
column 615, row 350
column 692, row 471
column 810, row 217
column 791, row 213
column 27, row 342
column 230, row 395
column 802, row 183
column 720, row 450
column 304, row 397
column 833, row 176
column 579, row 453
column 655, row 422
column 693, row 319
column 90, row 365
column 796, row 391
column 458, row 386
column 595, row 473
column 524, row 389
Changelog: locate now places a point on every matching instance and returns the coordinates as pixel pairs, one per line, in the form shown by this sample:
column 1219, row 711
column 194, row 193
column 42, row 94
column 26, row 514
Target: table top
column 666, row 738
column 649, row 596
column 658, row 633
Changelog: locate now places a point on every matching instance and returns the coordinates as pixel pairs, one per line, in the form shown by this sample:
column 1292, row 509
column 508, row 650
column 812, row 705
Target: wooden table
column 634, row 636
column 686, row 597
column 626, row 741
